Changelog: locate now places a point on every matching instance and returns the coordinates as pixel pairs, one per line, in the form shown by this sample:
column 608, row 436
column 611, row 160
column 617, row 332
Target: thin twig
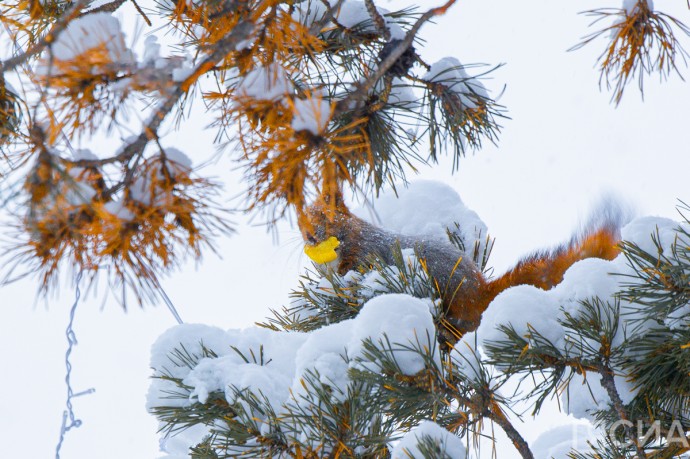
column 378, row 20
column 141, row 13
column 114, row 5
column 109, row 7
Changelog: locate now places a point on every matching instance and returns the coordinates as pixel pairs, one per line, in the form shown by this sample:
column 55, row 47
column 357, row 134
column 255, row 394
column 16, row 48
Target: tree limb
column 484, row 405
column 608, row 383
column 498, row 416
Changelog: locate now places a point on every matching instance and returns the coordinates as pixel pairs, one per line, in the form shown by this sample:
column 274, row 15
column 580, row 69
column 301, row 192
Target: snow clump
column 86, row 33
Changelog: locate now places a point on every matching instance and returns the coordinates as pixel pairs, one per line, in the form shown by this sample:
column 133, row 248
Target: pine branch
column 660, row 284
column 605, row 448
column 246, row 433
column 328, row 17
column 486, row 405
column 177, row 418
column 642, row 42
column 363, row 88
column 136, row 148
column 50, row 38
column 11, row 114
column 431, row 391
column 671, row 451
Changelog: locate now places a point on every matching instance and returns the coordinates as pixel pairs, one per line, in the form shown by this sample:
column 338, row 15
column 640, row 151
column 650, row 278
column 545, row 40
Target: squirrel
column 464, row 290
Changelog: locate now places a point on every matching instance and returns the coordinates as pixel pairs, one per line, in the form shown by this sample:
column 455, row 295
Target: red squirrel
column 463, row 288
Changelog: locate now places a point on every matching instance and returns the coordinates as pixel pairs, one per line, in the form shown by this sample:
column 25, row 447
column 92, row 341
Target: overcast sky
column 564, row 146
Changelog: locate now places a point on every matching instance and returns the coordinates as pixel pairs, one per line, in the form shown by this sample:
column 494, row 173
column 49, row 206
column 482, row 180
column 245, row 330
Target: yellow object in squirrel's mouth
column 323, row 252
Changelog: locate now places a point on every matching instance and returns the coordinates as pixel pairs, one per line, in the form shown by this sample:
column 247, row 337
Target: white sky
column 564, row 146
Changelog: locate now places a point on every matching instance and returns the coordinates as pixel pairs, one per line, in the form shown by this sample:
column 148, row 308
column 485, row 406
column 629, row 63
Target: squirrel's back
column 465, row 292
column 456, row 277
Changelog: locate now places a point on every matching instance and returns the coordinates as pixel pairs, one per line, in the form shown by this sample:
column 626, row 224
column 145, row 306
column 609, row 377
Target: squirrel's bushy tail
column 545, row 269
